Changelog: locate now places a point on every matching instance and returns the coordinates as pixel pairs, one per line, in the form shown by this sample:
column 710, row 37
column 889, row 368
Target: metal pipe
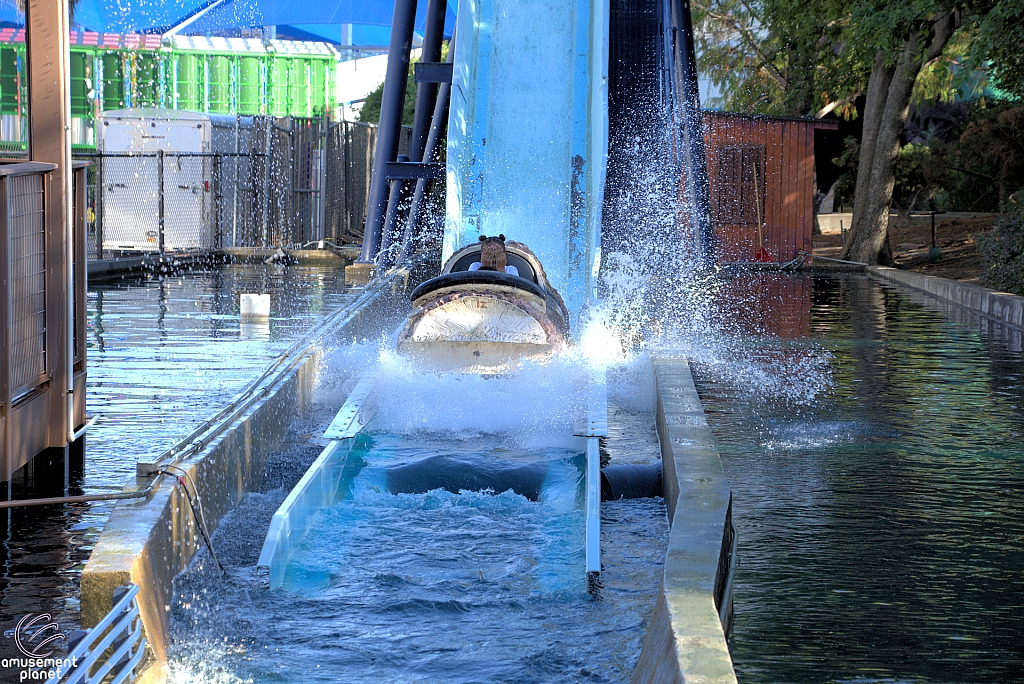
column 438, row 127
column 695, row 165
column 385, row 257
column 390, row 127
column 71, row 238
column 426, row 93
column 76, row 499
column 160, row 190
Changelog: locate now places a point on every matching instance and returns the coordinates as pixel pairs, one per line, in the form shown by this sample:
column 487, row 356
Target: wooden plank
column 805, row 236
column 789, row 188
column 777, row 179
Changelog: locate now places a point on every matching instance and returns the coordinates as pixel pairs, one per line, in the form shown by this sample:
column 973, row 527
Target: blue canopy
column 153, row 15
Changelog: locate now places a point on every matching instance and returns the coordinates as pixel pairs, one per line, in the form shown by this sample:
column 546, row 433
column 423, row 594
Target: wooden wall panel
column 788, row 179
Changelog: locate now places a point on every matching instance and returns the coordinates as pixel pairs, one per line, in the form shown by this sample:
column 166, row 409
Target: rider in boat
column 493, row 256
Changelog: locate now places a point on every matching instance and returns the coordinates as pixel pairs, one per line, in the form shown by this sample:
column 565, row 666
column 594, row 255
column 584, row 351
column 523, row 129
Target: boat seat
column 477, row 278
column 521, row 264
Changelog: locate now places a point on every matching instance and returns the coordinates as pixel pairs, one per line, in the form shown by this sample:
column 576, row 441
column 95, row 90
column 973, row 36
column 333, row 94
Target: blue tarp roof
column 371, row 19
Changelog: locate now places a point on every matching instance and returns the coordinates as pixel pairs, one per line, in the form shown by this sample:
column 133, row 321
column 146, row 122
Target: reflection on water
column 880, row 528
column 163, row 354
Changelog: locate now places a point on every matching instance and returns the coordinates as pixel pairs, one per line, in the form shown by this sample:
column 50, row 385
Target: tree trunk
column 878, row 86
column 869, row 240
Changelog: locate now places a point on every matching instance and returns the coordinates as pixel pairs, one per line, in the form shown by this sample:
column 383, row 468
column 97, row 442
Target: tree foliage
column 1003, row 250
column 999, row 46
column 370, row 111
column 779, row 56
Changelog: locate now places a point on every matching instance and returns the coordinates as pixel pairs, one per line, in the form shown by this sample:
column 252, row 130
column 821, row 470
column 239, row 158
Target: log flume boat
column 485, row 321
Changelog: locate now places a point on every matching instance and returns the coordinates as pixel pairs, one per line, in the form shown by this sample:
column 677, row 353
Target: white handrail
column 120, row 628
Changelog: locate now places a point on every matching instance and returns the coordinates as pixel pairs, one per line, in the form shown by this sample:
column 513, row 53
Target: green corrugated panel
column 113, row 81
column 278, row 86
column 220, row 84
column 81, row 66
column 188, row 78
column 318, row 86
column 298, row 82
column 146, row 80
column 250, row 86
column 8, row 79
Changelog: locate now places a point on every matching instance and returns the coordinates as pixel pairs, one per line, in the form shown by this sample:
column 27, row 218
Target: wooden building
column 761, row 170
column 42, row 275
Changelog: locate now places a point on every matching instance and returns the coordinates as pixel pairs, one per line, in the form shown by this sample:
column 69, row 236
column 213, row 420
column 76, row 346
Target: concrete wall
column 1003, row 307
column 685, row 641
column 148, row 542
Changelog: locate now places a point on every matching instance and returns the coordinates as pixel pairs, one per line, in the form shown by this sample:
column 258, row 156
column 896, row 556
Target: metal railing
column 292, row 182
column 110, row 652
column 27, row 318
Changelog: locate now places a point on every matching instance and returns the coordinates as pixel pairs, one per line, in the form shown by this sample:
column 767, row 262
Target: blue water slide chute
column 527, row 134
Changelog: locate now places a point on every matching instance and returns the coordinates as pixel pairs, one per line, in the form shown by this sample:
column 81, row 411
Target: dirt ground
column 955, row 238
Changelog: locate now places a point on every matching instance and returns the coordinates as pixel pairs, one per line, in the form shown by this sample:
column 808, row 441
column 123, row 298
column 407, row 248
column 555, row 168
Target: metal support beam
column 404, row 171
column 433, row 72
column 695, row 165
column 426, row 95
column 438, row 127
column 390, row 126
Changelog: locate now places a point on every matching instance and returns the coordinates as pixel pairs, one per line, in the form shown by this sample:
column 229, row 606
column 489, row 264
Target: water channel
column 873, row 447
column 880, row 526
column 164, row 353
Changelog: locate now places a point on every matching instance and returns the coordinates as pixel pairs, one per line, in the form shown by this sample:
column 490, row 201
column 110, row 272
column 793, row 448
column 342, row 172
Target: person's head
column 492, row 253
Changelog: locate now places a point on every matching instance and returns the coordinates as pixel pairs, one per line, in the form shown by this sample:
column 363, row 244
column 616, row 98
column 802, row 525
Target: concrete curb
column 685, row 641
column 1002, row 307
column 149, row 542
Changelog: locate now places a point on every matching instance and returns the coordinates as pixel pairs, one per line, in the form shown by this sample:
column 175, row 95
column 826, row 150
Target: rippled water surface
column 474, row 586
column 881, row 527
column 164, row 353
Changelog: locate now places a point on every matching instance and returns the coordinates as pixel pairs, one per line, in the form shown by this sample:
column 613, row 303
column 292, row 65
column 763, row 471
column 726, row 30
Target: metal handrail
column 121, row 629
column 211, row 428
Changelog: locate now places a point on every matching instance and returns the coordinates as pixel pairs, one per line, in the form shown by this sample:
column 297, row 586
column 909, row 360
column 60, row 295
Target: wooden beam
column 49, row 127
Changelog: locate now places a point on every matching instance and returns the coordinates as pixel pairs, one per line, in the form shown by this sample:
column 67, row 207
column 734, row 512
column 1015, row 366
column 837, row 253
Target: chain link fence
column 281, row 183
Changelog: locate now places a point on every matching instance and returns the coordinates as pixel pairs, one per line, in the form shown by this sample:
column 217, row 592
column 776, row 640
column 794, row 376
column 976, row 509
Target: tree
column 779, row 56
column 906, row 36
column 1000, row 46
column 370, row 111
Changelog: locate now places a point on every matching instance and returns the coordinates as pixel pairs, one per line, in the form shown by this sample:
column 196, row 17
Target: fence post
column 99, row 207
column 325, row 132
column 215, row 191
column 160, row 190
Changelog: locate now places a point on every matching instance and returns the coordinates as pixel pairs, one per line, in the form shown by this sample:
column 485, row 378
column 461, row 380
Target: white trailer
column 137, row 180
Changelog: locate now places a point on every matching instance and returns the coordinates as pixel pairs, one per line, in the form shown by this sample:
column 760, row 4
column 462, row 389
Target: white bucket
column 254, row 306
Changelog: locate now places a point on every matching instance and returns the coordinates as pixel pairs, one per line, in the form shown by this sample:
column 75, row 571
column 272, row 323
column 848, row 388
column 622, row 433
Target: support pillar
column 388, row 132
column 49, row 106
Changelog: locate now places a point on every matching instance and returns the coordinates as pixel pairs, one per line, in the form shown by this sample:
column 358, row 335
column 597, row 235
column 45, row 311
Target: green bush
column 1003, row 249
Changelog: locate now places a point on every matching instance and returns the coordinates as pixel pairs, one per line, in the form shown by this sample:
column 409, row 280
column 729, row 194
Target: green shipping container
column 298, row 91
column 146, row 79
column 81, row 80
column 188, row 83
column 278, row 87
column 250, row 86
column 113, row 81
column 220, row 84
column 318, row 86
column 9, row 96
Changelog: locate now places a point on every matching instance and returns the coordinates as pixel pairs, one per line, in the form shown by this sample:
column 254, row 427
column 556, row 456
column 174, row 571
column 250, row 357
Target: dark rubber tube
column 631, row 482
